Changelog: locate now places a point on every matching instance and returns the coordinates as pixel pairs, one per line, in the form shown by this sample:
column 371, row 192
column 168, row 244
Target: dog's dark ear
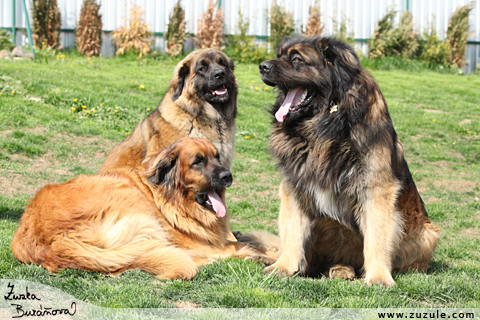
column 163, row 169
column 231, row 64
column 182, row 76
column 327, row 49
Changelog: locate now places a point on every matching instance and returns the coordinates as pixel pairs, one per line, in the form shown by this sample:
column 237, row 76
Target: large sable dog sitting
column 161, row 217
column 201, row 102
column 347, row 195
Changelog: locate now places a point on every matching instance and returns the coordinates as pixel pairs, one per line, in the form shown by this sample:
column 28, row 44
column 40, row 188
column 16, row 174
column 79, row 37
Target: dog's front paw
column 383, row 279
column 341, row 271
column 283, row 271
column 266, row 260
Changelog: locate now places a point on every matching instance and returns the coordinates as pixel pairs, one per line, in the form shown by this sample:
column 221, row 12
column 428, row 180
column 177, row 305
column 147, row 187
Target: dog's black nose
column 265, row 66
column 226, row 178
column 219, row 73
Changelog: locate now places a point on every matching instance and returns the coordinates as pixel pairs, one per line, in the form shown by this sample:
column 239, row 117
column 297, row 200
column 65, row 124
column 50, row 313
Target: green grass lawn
column 61, row 119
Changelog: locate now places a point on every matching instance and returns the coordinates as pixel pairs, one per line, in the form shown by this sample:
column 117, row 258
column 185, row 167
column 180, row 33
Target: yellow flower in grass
column 94, row 111
column 75, row 100
column 142, row 86
column 266, row 88
column 247, row 137
column 453, row 143
column 73, row 108
column 1, row 93
column 13, row 91
column 84, row 107
column 127, row 133
column 256, row 88
column 57, row 89
column 101, row 104
column 115, row 110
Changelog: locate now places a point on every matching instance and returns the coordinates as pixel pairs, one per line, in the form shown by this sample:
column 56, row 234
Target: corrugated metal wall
column 361, row 17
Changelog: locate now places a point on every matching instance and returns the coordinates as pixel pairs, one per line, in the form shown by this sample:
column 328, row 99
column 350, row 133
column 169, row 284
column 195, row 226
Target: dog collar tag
column 333, row 107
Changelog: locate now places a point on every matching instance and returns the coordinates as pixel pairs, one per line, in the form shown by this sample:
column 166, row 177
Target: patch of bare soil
column 465, row 122
column 471, row 233
column 459, row 185
column 433, row 111
column 28, row 175
column 186, row 305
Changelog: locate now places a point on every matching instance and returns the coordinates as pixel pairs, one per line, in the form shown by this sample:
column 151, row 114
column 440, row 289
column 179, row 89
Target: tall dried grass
column 88, row 35
column 175, row 34
column 457, row 34
column 210, row 28
column 46, row 23
column 281, row 24
column 314, row 25
column 136, row 36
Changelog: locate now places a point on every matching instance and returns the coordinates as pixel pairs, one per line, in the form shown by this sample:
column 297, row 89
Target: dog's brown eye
column 202, row 69
column 296, row 59
column 198, row 160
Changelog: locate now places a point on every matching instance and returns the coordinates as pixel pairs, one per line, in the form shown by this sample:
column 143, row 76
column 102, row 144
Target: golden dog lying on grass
column 163, row 217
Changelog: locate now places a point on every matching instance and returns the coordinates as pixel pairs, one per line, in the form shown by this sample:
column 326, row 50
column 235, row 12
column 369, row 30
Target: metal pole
column 29, row 31
column 14, row 27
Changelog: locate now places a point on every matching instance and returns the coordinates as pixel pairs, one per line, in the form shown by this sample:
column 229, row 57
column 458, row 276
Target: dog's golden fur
column 151, row 217
column 188, row 109
column 347, row 196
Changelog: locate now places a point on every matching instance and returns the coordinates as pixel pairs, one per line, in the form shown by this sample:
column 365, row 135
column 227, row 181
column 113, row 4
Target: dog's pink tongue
column 293, row 96
column 217, row 204
column 220, row 92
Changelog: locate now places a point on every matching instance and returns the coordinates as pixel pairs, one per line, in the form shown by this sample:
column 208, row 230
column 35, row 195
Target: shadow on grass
column 437, row 266
column 11, row 208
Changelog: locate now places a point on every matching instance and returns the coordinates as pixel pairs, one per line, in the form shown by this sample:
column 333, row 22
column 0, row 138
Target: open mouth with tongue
column 211, row 200
column 294, row 101
column 219, row 94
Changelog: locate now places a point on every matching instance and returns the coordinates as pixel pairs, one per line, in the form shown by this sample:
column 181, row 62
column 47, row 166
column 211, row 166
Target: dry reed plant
column 46, row 23
column 175, row 34
column 314, row 25
column 88, row 35
column 210, row 28
column 135, row 36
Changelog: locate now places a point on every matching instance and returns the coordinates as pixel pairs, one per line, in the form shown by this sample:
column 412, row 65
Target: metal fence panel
column 360, row 16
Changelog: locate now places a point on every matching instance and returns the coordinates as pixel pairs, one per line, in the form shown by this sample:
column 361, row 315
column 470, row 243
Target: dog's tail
column 260, row 239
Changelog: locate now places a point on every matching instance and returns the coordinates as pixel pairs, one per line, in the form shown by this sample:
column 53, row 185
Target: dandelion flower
column 142, row 86
column 434, row 120
column 1, row 93
column 84, row 107
column 73, row 108
column 101, row 103
column 127, row 133
column 131, row 81
column 94, row 111
column 266, row 88
column 247, row 137
column 75, row 100
column 468, row 131
column 13, row 91
column 246, row 81
column 88, row 111
column 453, row 143
column 115, row 110
column 253, row 81
column 256, row 88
